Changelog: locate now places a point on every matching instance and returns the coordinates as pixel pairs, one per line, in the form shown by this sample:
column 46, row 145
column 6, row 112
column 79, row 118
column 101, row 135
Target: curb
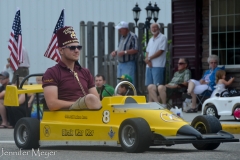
column 231, row 128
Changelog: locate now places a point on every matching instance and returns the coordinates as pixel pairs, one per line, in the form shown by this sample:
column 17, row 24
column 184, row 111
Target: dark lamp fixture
column 156, row 10
column 136, row 13
column 149, row 10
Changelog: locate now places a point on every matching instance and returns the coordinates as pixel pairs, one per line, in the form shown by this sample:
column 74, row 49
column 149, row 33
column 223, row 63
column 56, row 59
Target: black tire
column 135, row 135
column 26, row 133
column 236, row 118
column 206, row 124
column 212, row 111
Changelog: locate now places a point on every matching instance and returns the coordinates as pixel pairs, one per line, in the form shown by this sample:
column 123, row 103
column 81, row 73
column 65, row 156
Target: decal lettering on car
column 75, row 117
column 46, row 131
column 67, row 132
column 79, row 132
column 89, row 132
column 106, row 116
column 168, row 117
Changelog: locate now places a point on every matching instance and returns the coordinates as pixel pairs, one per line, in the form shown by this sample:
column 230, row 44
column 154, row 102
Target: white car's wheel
column 235, row 114
column 212, row 111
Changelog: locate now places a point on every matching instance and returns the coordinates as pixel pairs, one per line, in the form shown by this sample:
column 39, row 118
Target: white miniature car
column 225, row 103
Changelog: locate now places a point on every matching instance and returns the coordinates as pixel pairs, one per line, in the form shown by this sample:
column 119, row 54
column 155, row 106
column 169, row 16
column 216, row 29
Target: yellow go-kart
column 126, row 121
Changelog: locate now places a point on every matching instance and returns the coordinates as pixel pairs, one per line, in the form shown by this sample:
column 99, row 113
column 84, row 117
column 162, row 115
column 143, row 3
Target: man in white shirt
column 23, row 68
column 156, row 57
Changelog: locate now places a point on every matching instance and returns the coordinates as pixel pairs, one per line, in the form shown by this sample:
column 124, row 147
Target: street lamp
column 151, row 12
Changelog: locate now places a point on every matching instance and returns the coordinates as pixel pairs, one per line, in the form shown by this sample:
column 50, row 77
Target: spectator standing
column 23, row 68
column 127, row 51
column 67, row 85
column 100, row 83
column 156, row 57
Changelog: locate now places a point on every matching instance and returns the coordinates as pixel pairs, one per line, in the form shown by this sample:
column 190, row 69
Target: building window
column 225, row 31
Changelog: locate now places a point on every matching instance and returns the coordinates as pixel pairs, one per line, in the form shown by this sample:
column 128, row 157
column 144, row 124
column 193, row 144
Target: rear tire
column 206, row 124
column 26, row 133
column 212, row 111
column 135, row 135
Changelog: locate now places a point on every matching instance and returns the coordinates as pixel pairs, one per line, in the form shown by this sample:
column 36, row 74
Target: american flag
column 52, row 51
column 15, row 43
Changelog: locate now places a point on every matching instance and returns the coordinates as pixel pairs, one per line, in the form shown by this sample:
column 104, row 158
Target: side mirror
column 217, row 95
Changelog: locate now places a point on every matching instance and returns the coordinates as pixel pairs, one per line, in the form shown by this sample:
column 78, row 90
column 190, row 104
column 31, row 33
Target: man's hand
column 148, row 62
column 114, row 53
column 203, row 81
column 171, row 86
column 8, row 65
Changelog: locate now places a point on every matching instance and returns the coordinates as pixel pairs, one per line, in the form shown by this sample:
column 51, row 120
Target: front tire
column 212, row 111
column 235, row 115
column 206, row 124
column 135, row 135
column 26, row 133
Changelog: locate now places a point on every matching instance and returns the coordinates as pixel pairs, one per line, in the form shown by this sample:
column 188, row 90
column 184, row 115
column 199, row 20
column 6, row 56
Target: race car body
column 126, row 121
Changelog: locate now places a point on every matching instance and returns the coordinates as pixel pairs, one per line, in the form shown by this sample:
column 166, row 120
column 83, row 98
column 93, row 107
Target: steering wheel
column 225, row 94
column 125, row 82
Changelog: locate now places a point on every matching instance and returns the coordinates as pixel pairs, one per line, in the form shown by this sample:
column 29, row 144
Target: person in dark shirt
column 67, row 85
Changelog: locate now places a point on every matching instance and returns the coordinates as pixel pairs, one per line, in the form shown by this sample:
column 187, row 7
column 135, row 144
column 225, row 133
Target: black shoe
column 185, row 95
column 192, row 110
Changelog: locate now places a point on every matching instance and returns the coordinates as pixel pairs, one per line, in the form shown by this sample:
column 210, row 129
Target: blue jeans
column 127, row 68
column 155, row 75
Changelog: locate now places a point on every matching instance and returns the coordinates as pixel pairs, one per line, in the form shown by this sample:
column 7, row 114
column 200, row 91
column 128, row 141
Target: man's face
column 123, row 31
column 154, row 29
column 122, row 90
column 39, row 80
column 70, row 52
column 99, row 82
column 4, row 81
column 182, row 64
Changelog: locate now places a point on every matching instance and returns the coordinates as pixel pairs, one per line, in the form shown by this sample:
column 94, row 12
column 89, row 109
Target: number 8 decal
column 106, row 116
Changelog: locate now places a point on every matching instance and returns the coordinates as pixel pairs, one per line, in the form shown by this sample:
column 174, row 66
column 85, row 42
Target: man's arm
column 51, row 97
column 130, row 51
column 156, row 54
column 2, row 94
column 93, row 91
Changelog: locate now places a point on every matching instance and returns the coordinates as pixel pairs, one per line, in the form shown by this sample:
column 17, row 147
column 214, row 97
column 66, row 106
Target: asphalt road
column 179, row 152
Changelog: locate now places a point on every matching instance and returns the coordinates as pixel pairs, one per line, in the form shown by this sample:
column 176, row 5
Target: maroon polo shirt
column 68, row 86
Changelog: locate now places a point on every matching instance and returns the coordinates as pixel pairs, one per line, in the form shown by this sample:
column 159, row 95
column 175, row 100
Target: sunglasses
column 73, row 48
column 181, row 63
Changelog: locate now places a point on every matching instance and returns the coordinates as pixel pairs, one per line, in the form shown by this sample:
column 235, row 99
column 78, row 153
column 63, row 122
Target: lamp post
column 151, row 12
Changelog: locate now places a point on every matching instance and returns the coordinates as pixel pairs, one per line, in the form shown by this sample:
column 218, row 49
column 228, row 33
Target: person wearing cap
column 125, row 89
column 23, row 68
column 127, row 51
column 4, row 79
column 68, row 85
column 102, row 88
column 156, row 57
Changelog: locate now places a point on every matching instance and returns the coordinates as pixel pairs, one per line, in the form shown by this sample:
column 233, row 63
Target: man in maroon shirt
column 67, row 85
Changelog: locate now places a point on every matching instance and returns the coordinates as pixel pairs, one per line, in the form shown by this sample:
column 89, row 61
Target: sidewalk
column 229, row 124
